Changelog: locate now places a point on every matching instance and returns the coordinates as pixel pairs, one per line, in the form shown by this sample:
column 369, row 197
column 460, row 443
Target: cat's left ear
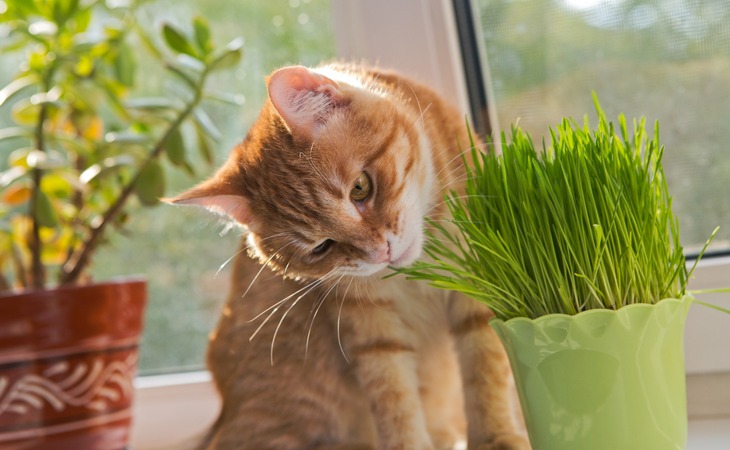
column 218, row 197
column 304, row 99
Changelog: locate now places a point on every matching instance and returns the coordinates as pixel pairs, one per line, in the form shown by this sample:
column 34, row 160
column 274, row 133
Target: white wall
column 416, row 37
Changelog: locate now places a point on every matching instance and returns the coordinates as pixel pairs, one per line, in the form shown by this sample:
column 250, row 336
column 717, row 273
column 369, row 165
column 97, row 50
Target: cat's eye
column 322, row 247
column 361, row 190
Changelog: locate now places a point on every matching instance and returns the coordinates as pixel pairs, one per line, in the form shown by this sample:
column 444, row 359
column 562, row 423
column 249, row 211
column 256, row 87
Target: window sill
column 170, row 410
column 173, row 409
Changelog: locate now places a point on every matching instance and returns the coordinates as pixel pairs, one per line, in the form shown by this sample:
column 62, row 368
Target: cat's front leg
column 382, row 353
column 486, row 377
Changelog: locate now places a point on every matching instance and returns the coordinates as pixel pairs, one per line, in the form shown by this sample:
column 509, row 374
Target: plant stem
column 72, row 270
column 37, row 271
column 4, row 284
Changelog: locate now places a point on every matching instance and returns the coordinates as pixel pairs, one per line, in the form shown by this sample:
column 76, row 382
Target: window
column 667, row 61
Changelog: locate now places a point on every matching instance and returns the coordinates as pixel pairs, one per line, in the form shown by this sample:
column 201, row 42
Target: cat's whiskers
column 280, row 302
column 243, row 249
column 225, row 263
column 420, row 109
column 448, row 165
column 339, row 321
column 313, row 285
column 370, row 295
column 450, row 199
column 318, row 305
column 310, row 159
column 458, row 158
column 264, row 266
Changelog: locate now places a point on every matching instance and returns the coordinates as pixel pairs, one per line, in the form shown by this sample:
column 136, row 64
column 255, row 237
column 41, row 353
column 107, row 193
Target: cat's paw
column 506, row 442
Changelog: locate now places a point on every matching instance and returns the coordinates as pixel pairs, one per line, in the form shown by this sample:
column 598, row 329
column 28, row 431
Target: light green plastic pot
column 602, row 379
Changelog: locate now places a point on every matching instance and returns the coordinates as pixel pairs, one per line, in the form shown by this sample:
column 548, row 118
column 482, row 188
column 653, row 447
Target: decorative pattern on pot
column 602, row 379
column 97, row 386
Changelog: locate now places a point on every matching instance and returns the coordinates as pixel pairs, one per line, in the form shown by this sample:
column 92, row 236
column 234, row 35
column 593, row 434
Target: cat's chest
column 421, row 306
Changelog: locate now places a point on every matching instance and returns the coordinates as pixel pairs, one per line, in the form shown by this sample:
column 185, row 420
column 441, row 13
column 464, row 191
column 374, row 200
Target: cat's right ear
column 304, row 99
column 216, row 197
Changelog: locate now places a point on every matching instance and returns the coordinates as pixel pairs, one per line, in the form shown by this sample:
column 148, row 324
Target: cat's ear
column 216, row 197
column 304, row 99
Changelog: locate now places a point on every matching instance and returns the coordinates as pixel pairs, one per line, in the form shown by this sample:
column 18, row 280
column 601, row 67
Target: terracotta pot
column 68, row 357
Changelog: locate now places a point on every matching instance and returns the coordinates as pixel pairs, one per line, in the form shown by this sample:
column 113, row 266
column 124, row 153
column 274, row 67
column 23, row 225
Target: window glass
column 180, row 250
column 665, row 60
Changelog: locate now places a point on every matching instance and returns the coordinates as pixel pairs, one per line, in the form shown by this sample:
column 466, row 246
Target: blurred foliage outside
column 667, row 61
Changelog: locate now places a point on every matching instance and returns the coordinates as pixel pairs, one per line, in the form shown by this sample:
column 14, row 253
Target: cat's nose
column 381, row 254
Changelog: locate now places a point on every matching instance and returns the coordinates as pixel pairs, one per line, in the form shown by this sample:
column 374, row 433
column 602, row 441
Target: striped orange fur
column 333, row 184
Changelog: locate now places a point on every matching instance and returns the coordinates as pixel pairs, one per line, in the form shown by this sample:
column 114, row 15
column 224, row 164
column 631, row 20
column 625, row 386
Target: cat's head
column 334, row 177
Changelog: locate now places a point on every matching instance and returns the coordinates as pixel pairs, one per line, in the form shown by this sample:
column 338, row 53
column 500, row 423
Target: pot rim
column 495, row 321
column 109, row 283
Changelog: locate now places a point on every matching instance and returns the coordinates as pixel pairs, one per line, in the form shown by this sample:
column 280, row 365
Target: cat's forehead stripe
column 385, row 144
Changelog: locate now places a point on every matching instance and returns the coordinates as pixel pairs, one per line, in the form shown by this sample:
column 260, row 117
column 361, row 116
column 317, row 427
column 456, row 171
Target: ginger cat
column 333, row 184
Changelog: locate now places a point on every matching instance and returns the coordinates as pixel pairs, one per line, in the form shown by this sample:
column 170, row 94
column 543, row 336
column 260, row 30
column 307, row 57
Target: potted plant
column 576, row 250
column 79, row 153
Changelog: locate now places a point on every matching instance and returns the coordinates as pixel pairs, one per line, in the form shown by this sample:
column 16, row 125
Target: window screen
column 667, row 60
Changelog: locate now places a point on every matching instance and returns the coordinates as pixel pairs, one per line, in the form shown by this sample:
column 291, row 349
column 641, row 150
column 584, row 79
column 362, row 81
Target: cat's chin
column 407, row 256
column 367, row 270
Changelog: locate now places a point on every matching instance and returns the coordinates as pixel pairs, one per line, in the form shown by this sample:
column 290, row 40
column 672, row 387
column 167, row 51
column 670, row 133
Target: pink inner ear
column 233, row 206
column 303, row 98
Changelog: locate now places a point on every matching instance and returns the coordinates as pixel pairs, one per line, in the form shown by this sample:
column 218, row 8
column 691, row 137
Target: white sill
column 174, row 409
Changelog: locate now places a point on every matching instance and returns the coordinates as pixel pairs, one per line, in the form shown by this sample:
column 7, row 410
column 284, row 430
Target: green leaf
column 126, row 137
column 29, row 7
column 202, row 34
column 64, row 10
column 176, row 40
column 229, row 56
column 225, row 97
column 148, row 42
column 44, row 212
column 204, row 146
column 12, row 43
column 183, row 75
column 152, row 103
column 11, row 175
column 15, row 132
column 106, row 166
column 125, row 65
column 43, row 28
column 175, row 148
column 14, row 88
column 114, row 91
column 150, row 185
column 44, row 160
column 189, row 63
column 203, row 120
column 25, row 113
column 83, row 19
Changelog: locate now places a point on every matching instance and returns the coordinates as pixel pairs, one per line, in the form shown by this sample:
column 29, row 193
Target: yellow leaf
column 16, row 195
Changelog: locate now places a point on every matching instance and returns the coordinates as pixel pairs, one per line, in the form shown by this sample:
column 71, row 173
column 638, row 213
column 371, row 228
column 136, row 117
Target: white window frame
column 418, row 38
